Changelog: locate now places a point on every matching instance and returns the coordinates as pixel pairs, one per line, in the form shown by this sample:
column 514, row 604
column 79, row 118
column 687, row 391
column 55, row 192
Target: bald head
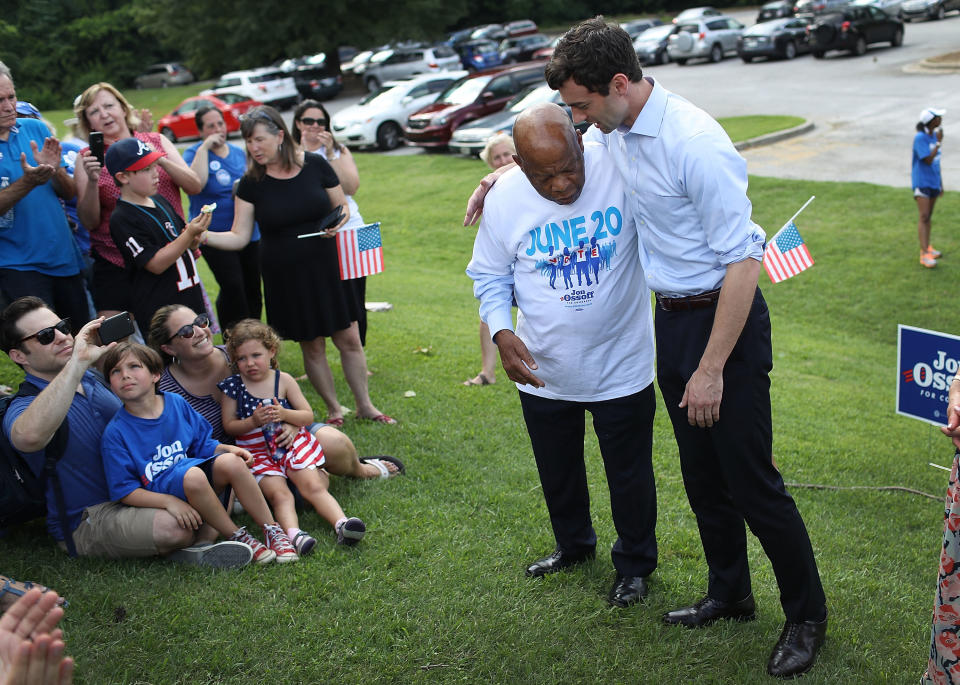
column 550, row 152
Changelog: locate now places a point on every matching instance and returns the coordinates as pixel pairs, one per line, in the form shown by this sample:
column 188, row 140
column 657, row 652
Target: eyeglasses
column 202, row 321
column 46, row 335
column 310, row 121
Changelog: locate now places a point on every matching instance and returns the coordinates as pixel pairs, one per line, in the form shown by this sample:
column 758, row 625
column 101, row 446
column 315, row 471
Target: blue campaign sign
column 927, row 363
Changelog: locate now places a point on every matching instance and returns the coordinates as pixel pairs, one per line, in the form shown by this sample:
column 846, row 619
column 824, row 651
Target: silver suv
column 407, row 62
column 711, row 38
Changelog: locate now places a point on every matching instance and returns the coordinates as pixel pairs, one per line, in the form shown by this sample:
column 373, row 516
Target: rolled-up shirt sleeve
column 491, row 269
column 715, row 177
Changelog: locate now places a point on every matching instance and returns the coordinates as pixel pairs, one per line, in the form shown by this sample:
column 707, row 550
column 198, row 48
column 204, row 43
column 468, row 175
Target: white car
column 378, row 118
column 268, row 85
column 891, row 7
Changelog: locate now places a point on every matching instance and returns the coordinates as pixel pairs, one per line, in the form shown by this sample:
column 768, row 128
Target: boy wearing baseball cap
column 155, row 244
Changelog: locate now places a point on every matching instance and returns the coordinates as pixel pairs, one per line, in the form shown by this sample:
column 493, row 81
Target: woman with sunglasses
column 289, row 193
column 194, row 366
column 311, row 129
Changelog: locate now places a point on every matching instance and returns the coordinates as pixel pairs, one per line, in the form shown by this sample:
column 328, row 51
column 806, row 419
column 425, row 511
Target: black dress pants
column 624, row 428
column 238, row 275
column 728, row 470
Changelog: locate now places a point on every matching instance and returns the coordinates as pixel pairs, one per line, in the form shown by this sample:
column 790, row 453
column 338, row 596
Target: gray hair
column 5, row 71
column 492, row 142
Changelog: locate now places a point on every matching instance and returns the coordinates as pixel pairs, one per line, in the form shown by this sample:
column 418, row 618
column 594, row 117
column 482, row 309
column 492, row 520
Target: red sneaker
column 279, row 543
column 261, row 555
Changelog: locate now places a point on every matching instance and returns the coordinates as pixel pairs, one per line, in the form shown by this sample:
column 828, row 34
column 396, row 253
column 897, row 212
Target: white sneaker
column 226, row 554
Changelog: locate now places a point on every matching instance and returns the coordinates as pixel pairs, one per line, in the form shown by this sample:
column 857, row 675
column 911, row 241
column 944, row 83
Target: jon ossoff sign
column 927, row 363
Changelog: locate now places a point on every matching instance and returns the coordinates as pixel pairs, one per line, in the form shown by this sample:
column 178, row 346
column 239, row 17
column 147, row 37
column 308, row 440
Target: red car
column 180, row 123
column 472, row 97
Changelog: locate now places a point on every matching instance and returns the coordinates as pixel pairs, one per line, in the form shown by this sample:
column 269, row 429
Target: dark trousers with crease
column 624, row 428
column 728, row 470
column 238, row 275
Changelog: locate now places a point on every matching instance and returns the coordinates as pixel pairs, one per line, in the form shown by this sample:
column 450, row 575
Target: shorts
column 110, row 286
column 927, row 192
column 114, row 530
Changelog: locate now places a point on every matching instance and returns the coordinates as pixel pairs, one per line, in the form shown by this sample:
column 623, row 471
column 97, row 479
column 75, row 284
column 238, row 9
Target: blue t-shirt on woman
column 222, row 172
column 925, row 175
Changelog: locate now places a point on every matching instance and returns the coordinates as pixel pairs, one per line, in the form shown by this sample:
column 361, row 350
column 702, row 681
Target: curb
column 775, row 137
column 928, row 67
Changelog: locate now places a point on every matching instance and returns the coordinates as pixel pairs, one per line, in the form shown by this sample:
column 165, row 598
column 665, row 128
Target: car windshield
column 267, row 76
column 655, row 33
column 233, row 98
column 765, row 28
column 465, row 91
column 385, row 95
column 531, row 96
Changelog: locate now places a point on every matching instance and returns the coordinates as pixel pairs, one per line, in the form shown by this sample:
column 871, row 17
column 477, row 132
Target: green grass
column 436, row 592
column 743, row 128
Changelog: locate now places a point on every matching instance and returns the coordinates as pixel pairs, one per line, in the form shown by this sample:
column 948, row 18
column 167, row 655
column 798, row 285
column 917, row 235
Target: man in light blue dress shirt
column 701, row 254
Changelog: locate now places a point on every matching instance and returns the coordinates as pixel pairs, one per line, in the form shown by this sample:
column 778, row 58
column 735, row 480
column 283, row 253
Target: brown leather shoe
column 709, row 610
column 797, row 648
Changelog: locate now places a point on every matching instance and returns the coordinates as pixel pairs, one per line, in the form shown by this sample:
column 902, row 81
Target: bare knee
column 195, row 482
column 277, row 492
column 167, row 533
column 348, row 340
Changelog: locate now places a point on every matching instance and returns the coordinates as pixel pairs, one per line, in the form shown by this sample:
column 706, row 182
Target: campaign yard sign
column 927, row 363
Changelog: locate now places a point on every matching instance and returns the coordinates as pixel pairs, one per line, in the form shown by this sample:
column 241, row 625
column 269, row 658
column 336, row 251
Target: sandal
column 381, row 463
column 17, row 589
column 336, row 421
column 379, row 418
column 479, row 379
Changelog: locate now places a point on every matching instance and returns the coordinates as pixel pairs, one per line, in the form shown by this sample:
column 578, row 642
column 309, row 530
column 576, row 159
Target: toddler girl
column 256, row 400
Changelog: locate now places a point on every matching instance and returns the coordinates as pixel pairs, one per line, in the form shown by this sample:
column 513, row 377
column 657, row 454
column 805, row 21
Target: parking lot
column 864, row 108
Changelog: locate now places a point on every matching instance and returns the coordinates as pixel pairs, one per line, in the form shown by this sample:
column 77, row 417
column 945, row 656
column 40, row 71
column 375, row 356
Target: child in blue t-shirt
column 158, row 452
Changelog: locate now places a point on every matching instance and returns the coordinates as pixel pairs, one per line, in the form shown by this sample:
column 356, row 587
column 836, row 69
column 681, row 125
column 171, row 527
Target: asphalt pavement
column 863, row 109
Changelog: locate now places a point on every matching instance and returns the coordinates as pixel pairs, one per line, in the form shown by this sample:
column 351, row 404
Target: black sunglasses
column 46, row 335
column 202, row 321
column 310, row 121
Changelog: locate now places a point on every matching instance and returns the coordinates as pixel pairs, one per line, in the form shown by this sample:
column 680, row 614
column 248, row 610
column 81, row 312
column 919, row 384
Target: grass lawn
column 436, row 592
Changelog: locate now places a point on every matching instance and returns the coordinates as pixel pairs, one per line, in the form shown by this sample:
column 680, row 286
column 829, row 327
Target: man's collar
column 650, row 118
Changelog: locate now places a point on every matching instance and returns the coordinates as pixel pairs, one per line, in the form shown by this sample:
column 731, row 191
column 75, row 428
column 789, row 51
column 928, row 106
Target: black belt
column 678, row 304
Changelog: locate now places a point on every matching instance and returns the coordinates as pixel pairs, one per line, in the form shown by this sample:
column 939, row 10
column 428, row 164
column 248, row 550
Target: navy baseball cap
column 130, row 154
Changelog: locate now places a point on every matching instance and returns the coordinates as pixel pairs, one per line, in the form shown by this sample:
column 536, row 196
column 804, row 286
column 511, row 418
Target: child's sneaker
column 927, row 261
column 303, row 543
column 261, row 555
column 350, row 531
column 279, row 543
column 930, row 251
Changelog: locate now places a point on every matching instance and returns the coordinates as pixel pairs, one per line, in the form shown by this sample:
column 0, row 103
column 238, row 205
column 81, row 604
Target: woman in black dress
column 289, row 193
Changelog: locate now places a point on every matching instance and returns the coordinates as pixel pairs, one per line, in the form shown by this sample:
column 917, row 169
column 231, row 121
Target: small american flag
column 786, row 254
column 360, row 251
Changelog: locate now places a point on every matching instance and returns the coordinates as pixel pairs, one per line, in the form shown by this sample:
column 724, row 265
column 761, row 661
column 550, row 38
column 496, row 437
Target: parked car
column 853, row 29
column 513, row 50
column 927, row 9
column 891, row 7
column 775, row 10
column 180, row 123
column 522, row 27
column 410, row 62
column 710, row 38
column 470, row 137
column 472, row 97
column 810, row 7
column 651, row 45
column 379, row 117
column 695, row 13
column 635, row 27
column 783, row 38
column 163, row 75
column 267, row 85
column 546, row 52
column 317, row 82
column 489, row 31
column 477, row 55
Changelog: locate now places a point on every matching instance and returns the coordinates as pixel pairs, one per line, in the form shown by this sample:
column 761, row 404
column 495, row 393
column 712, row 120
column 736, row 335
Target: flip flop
column 483, row 380
column 379, row 462
column 18, row 588
column 379, row 418
column 336, row 421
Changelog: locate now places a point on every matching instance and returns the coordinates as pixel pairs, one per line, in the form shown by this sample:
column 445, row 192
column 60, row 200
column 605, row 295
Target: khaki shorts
column 114, row 530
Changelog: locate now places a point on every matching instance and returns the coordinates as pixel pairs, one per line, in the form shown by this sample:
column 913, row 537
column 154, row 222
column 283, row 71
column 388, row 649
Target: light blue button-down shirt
column 687, row 187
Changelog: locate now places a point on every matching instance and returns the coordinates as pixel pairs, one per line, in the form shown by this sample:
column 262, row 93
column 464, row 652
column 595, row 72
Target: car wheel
column 897, row 38
column 389, row 135
column 746, row 59
column 860, row 48
column 681, row 61
column 819, row 54
column 168, row 134
column 940, row 13
column 663, row 57
column 373, row 83
column 790, row 50
column 716, row 53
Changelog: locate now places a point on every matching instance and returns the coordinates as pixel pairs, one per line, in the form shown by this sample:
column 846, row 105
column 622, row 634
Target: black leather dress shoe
column 557, row 562
column 627, row 590
column 797, row 648
column 708, row 610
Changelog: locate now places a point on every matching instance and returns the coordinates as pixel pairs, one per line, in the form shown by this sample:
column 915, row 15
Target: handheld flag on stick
column 360, row 251
column 786, row 254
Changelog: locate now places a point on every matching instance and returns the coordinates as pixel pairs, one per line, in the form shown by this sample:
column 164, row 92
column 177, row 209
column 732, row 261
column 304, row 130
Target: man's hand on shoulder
column 516, row 359
column 475, row 203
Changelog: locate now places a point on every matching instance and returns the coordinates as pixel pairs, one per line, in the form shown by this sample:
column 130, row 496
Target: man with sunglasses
column 58, row 365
